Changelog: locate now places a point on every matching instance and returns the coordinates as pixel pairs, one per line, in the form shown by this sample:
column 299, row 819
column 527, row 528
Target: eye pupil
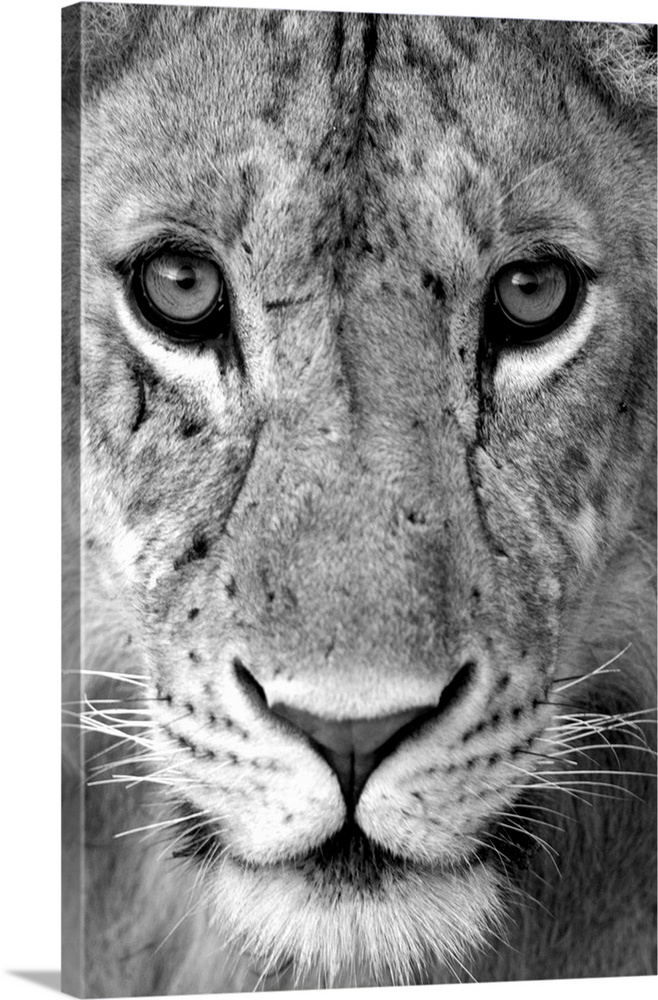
column 186, row 278
column 526, row 282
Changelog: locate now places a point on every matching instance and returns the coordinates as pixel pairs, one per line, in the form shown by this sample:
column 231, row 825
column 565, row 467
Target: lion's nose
column 354, row 747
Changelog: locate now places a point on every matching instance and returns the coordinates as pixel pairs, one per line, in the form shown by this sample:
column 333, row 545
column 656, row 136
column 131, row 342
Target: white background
column 29, row 397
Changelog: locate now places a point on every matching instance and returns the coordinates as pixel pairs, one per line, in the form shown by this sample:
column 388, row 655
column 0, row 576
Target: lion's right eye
column 182, row 294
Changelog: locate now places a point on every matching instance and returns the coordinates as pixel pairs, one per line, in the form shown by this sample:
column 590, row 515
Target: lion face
column 365, row 376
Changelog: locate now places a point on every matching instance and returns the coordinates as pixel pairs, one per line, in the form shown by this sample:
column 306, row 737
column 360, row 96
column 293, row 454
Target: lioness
column 366, row 393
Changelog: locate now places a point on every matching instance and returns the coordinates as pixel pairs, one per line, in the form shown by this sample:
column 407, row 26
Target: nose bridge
column 345, row 539
column 346, row 571
column 332, row 524
column 344, row 501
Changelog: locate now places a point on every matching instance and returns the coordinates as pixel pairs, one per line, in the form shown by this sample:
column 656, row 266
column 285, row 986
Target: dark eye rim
column 508, row 331
column 204, row 328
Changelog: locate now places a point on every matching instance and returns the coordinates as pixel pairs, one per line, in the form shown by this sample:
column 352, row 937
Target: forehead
column 441, row 120
column 302, row 69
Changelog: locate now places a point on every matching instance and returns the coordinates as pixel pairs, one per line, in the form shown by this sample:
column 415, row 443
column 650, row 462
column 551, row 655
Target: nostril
column 455, row 690
column 249, row 684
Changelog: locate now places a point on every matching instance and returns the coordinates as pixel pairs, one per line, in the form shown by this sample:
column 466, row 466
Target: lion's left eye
column 182, row 294
column 532, row 299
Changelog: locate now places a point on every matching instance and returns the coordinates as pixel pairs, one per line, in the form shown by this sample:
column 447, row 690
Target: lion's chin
column 354, row 918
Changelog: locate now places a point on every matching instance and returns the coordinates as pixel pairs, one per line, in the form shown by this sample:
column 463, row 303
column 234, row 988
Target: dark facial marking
column 435, row 285
column 198, row 550
column 141, row 405
column 191, row 429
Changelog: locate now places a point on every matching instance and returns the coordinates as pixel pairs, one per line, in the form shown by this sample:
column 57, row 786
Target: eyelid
column 163, row 243
column 546, row 252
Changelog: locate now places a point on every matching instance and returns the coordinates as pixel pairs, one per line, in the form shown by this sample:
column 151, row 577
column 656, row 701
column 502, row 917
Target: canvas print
column 359, row 500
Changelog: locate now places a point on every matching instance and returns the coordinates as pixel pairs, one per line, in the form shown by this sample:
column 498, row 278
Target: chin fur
column 350, row 920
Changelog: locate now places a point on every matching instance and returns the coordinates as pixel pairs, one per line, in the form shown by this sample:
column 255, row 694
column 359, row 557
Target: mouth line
column 352, row 862
column 349, row 857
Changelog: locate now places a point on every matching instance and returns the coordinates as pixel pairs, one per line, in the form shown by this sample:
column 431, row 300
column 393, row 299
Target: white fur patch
column 523, row 368
column 198, row 369
column 126, row 546
column 393, row 929
column 585, row 532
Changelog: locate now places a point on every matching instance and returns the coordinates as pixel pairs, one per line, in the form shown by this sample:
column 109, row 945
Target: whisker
column 533, row 819
column 191, row 911
column 550, row 851
column 547, row 756
column 528, row 177
column 547, row 809
column 137, row 679
column 162, row 823
column 628, row 774
column 593, row 673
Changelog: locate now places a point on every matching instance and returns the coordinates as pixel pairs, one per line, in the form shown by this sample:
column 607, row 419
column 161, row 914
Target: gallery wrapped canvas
column 359, row 515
